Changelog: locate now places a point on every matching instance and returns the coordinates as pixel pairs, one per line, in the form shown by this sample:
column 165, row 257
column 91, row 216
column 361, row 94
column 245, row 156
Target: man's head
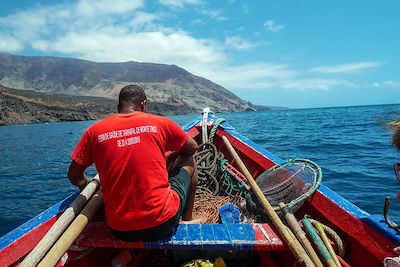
column 132, row 98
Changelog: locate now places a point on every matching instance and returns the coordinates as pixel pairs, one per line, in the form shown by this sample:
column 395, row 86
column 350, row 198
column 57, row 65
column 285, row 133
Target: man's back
column 128, row 150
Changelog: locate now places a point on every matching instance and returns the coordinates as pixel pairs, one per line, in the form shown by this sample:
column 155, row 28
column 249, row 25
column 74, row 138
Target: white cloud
column 98, row 7
column 126, row 32
column 314, row 84
column 213, row 13
column 179, row 3
column 271, row 26
column 197, row 22
column 141, row 19
column 134, row 35
column 386, row 84
column 239, row 43
column 240, row 29
column 258, row 75
column 351, row 67
column 245, row 9
column 116, row 46
column 10, row 44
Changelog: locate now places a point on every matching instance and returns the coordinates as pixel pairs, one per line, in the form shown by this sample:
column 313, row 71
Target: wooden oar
column 318, row 242
column 300, row 234
column 34, row 257
column 297, row 250
column 73, row 231
column 327, row 243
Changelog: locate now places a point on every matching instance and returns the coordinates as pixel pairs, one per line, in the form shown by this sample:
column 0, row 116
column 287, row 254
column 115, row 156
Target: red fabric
column 128, row 150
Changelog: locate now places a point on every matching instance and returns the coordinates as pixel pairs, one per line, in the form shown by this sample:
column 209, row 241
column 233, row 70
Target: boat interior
column 236, row 234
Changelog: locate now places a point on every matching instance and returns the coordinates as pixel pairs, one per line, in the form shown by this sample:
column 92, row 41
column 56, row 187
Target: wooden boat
column 367, row 238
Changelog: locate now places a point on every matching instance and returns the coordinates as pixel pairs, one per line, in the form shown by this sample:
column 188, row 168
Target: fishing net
column 215, row 186
column 290, row 183
column 230, row 182
column 206, row 204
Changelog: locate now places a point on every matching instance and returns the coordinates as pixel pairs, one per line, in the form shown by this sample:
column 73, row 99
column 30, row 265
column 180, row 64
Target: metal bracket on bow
column 389, row 222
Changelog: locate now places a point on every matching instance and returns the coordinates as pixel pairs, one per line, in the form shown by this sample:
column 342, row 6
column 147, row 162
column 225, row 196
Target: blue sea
column 351, row 145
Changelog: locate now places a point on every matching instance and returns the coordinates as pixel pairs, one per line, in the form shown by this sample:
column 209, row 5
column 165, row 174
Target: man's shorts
column 179, row 179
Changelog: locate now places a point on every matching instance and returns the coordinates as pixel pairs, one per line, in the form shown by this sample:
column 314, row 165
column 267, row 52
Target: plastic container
column 229, row 214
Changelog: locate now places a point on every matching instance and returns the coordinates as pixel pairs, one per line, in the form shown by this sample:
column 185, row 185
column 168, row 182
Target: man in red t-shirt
column 145, row 194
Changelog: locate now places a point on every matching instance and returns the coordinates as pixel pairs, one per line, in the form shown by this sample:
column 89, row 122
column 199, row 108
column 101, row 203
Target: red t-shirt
column 128, row 150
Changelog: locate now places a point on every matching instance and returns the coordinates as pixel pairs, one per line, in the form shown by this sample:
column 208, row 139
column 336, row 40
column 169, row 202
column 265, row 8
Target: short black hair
column 131, row 94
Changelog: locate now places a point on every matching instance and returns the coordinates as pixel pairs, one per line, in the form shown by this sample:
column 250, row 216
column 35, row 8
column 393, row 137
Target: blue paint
column 207, row 235
column 342, row 202
column 229, row 214
column 180, row 237
column 194, row 236
column 43, row 217
column 191, row 124
column 240, row 236
column 378, row 223
column 221, row 234
column 258, row 148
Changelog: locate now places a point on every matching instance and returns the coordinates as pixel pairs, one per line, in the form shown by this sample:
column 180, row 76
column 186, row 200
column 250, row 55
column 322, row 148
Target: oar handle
column 73, row 231
column 318, row 242
column 294, row 248
column 327, row 243
column 34, row 257
column 294, row 225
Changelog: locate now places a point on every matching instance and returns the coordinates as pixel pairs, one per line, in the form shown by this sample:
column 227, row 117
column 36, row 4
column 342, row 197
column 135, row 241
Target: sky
column 296, row 54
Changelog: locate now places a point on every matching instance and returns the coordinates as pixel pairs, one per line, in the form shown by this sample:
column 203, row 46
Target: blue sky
column 295, row 54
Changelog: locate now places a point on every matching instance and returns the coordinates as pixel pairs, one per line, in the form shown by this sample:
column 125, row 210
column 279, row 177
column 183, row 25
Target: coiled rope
column 215, row 187
column 206, row 160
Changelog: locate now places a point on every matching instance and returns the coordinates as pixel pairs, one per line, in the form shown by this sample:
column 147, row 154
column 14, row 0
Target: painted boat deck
column 260, row 237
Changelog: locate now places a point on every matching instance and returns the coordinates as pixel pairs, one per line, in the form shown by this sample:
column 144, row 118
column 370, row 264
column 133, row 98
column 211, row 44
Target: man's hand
column 188, row 149
column 76, row 175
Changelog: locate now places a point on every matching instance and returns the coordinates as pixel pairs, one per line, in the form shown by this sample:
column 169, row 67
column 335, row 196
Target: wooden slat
column 193, row 236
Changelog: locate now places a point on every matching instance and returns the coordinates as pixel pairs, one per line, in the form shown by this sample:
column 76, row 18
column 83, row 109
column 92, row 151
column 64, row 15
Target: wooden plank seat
column 260, row 237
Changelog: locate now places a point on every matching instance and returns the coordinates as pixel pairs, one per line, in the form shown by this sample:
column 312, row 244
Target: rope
column 230, row 186
column 215, row 187
column 214, row 129
column 206, row 160
column 206, row 205
column 336, row 238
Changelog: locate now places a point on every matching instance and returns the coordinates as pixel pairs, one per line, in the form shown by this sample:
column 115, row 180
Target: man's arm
column 76, row 174
column 188, row 149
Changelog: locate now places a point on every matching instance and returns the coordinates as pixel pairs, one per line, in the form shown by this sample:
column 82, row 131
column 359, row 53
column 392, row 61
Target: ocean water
column 349, row 143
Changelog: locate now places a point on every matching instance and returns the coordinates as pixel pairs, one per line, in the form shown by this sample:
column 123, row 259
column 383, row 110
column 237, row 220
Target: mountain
column 162, row 83
column 27, row 106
